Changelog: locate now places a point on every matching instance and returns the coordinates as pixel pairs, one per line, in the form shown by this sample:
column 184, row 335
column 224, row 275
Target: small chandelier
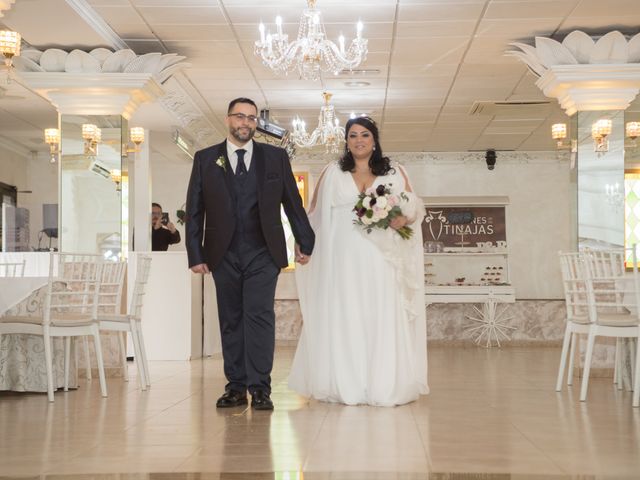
column 9, row 48
column 328, row 132
column 615, row 197
column 559, row 133
column 92, row 136
column 136, row 136
column 52, row 138
column 599, row 132
column 116, row 177
column 311, row 53
column 632, row 130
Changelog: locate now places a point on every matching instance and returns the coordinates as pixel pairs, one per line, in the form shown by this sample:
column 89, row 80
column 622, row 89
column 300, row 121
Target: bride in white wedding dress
column 363, row 339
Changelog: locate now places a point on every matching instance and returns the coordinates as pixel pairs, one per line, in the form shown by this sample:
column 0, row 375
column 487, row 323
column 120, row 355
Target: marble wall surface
column 538, row 323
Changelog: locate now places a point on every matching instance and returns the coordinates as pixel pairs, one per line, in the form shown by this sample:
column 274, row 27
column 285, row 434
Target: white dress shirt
column 233, row 156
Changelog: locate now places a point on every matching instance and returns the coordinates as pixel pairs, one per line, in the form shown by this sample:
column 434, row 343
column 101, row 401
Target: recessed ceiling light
column 360, row 71
column 360, row 112
column 357, row 83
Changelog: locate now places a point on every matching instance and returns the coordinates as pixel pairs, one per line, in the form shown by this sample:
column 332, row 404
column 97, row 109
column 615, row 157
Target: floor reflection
column 494, row 413
column 297, row 475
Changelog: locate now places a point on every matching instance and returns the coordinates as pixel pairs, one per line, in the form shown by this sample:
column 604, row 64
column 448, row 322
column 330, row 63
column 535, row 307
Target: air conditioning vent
column 520, row 109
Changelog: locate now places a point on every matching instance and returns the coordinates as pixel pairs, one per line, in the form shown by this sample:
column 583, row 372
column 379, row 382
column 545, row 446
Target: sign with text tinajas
column 465, row 227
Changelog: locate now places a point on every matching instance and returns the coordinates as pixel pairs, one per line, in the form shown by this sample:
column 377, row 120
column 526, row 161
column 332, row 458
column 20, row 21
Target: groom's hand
column 301, row 258
column 201, row 268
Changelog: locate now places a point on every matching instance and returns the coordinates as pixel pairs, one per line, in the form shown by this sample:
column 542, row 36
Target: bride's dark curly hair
column 378, row 164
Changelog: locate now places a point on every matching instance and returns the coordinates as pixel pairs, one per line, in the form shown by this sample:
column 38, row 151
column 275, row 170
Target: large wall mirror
column 94, row 184
column 601, row 179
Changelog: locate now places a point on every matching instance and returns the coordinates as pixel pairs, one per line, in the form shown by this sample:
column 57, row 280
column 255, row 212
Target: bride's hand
column 398, row 222
column 301, row 258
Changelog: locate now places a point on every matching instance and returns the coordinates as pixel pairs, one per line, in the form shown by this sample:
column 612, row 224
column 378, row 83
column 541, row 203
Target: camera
column 490, row 157
column 165, row 218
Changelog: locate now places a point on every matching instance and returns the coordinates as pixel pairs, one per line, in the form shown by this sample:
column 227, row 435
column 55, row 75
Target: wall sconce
column 52, row 138
column 559, row 133
column 615, row 197
column 9, row 46
column 116, row 176
column 599, row 132
column 92, row 136
column 136, row 135
column 632, row 130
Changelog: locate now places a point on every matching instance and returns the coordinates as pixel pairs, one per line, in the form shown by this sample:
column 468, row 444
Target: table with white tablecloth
column 22, row 361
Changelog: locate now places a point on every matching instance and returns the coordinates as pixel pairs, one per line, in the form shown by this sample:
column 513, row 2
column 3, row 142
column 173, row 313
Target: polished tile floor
column 491, row 414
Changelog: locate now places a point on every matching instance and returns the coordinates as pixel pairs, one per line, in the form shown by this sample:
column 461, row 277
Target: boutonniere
column 222, row 163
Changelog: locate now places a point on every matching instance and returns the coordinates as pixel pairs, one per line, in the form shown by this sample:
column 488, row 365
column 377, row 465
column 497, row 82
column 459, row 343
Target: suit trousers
column 245, row 283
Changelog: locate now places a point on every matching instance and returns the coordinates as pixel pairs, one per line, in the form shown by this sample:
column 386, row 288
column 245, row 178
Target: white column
column 141, row 195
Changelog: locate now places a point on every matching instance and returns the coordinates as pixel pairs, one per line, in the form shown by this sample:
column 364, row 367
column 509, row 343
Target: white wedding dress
column 364, row 338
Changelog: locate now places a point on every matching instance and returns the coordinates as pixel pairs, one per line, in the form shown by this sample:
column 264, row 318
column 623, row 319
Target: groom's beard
column 242, row 134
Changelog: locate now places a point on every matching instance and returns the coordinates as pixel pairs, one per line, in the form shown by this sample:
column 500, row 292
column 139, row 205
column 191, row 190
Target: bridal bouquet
column 376, row 207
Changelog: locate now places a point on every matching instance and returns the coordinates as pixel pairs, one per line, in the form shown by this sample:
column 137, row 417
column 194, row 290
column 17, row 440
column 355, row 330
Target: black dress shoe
column 231, row 398
column 260, row 401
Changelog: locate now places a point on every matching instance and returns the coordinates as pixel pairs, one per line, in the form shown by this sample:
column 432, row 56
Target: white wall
column 539, row 218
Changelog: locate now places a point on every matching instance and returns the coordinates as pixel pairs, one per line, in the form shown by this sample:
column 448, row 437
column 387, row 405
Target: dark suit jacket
column 211, row 219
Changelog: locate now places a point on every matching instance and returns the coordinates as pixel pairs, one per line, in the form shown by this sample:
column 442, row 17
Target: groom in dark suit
column 234, row 230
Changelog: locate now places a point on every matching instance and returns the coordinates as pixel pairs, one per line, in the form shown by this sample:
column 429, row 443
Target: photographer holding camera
column 164, row 232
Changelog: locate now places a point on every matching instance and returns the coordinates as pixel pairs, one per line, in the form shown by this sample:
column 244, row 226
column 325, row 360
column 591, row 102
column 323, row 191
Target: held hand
column 201, row 268
column 301, row 258
column 398, row 222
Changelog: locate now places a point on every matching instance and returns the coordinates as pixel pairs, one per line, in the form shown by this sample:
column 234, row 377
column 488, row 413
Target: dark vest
column 248, row 234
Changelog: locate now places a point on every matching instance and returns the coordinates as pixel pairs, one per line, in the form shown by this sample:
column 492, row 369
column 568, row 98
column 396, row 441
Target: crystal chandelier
column 311, row 53
column 328, row 132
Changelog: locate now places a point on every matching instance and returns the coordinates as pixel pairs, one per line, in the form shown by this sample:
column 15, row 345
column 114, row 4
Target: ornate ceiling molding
column 95, row 94
column 315, row 162
column 584, row 74
column 100, row 60
column 189, row 116
column 577, row 48
column 591, row 87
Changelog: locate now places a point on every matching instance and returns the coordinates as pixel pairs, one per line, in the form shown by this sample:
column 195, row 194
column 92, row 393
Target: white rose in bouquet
column 386, row 207
column 382, row 213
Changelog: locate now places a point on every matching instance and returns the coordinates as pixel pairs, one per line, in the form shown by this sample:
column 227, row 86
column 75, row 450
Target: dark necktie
column 241, row 168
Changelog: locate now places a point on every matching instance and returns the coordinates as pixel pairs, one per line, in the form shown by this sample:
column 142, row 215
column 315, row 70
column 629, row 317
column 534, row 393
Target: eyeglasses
column 241, row 117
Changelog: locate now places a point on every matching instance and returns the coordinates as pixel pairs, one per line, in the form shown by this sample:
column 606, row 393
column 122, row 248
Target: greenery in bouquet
column 377, row 207
column 181, row 214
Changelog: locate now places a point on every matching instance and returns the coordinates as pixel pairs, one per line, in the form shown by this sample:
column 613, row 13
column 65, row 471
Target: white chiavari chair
column 12, row 269
column 110, row 303
column 613, row 298
column 131, row 322
column 575, row 294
